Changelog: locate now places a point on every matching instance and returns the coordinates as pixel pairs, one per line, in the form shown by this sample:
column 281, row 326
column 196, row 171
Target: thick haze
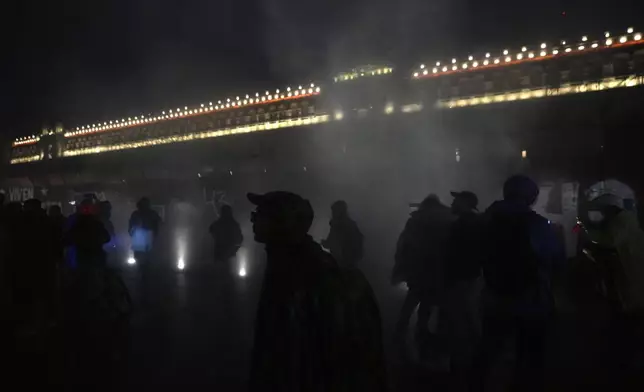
column 80, row 61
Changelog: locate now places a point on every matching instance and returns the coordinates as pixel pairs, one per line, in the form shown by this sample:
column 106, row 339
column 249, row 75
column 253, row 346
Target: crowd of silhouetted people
column 487, row 277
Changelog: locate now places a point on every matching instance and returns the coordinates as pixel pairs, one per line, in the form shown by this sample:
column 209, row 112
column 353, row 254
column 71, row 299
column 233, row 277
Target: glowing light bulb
column 622, row 39
column 630, row 30
column 131, row 260
column 181, row 265
column 453, row 61
column 637, row 37
column 438, row 63
column 242, row 271
column 584, row 38
column 609, row 42
column 543, row 45
column 487, row 55
column 505, row 52
column 422, row 66
column 470, row 58
column 523, row 49
column 607, row 34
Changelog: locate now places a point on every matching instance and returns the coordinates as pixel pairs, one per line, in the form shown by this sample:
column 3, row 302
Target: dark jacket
column 345, row 241
column 521, row 253
column 88, row 235
column 145, row 219
column 307, row 336
column 228, row 237
column 464, row 249
column 421, row 249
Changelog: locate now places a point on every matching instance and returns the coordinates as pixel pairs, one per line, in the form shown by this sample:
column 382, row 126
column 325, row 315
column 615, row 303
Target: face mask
column 595, row 216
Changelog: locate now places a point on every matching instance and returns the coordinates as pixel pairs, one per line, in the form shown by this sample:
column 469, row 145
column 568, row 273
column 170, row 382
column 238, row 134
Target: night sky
column 84, row 61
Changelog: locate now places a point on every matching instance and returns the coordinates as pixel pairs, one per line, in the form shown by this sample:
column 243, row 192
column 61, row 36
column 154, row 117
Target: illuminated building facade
column 473, row 105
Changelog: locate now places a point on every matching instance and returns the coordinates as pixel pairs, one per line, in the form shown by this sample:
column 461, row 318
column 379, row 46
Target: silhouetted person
column 36, row 265
column 420, row 254
column 618, row 249
column 13, row 210
column 317, row 329
column 57, row 220
column 88, row 235
column 462, row 287
column 521, row 251
column 143, row 227
column 105, row 215
column 89, row 308
column 227, row 235
column 345, row 241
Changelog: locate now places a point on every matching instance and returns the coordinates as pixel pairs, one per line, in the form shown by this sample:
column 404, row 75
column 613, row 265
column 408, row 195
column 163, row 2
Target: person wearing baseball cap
column 464, row 202
column 280, row 218
column 302, row 336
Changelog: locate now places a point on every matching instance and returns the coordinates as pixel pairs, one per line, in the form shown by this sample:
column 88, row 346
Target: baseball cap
column 606, row 200
column 284, row 204
column 468, row 197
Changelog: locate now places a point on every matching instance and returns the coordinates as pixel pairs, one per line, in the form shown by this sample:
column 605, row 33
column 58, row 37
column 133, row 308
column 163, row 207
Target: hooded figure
column 227, row 235
column 618, row 229
column 619, row 251
column 520, row 253
column 317, row 329
column 143, row 227
column 345, row 241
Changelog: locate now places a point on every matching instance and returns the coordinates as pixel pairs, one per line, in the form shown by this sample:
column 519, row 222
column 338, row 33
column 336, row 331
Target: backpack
column 511, row 264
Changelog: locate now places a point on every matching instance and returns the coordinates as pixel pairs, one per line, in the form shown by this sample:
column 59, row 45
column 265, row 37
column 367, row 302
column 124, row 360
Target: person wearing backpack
column 520, row 253
column 317, row 326
column 345, row 241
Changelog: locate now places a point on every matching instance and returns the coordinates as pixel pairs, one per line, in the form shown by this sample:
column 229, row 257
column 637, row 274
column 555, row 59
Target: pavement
column 193, row 329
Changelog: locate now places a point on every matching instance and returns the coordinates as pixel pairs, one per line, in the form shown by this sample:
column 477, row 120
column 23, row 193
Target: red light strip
column 503, row 63
column 25, row 142
column 197, row 112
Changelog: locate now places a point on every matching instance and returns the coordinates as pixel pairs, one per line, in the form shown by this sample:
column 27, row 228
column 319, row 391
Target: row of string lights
column 268, row 97
column 525, row 54
column 21, row 141
column 237, row 102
